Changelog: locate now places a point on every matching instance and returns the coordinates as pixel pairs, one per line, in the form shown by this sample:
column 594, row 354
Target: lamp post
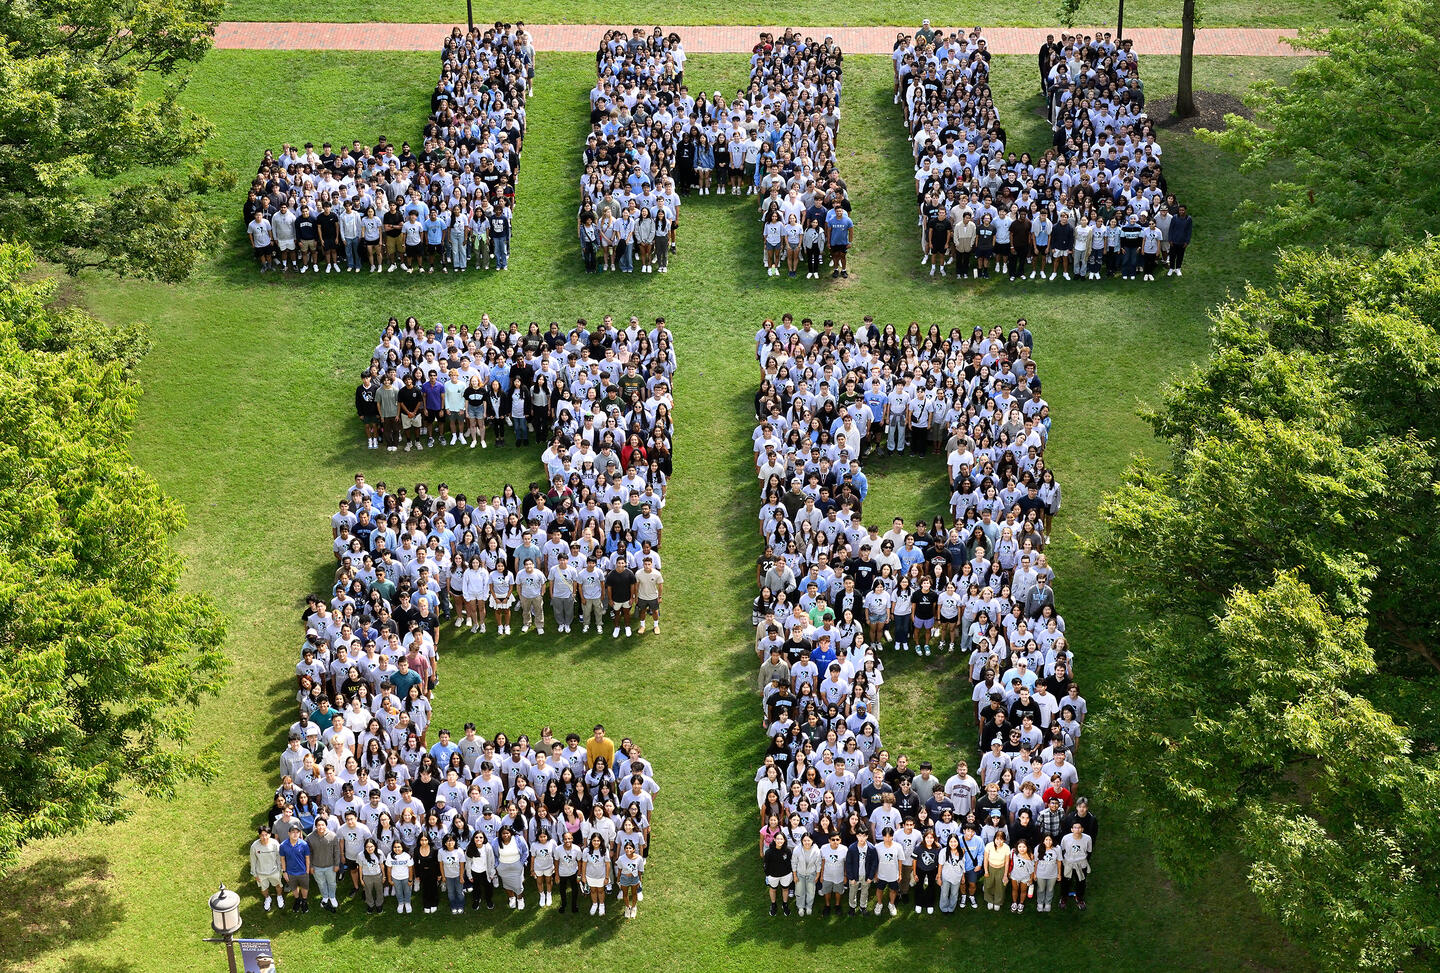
column 470, row 13
column 225, row 920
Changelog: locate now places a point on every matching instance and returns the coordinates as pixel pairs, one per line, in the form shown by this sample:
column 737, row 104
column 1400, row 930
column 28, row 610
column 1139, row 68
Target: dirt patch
column 1211, row 109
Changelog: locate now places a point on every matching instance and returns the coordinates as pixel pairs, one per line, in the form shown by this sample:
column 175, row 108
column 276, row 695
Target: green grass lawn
column 966, row 13
column 247, row 420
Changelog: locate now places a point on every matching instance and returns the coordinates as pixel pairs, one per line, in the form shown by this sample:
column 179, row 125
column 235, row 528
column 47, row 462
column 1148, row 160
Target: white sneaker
column 602, row 908
column 452, row 439
column 419, row 447
column 615, row 634
column 520, row 904
column 267, row 903
column 459, row 622
column 524, row 628
column 539, row 630
column 917, row 910
column 1032, row 277
column 879, row 908
column 1179, row 272
column 627, row 631
column 929, row 910
column 584, row 629
column 407, row 447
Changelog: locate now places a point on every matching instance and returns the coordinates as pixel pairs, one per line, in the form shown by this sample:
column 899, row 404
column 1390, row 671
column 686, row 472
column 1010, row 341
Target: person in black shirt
column 411, row 401
column 392, row 221
column 329, row 225
column 307, row 237
column 864, row 570
column 620, row 587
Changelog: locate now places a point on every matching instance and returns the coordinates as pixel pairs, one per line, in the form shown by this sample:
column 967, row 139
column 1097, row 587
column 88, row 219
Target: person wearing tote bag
column 996, row 864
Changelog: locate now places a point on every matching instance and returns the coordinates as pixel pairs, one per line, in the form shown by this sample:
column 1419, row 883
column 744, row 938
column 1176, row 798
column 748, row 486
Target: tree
column 1185, row 85
column 1068, row 11
column 90, row 131
column 1357, row 128
column 1280, row 704
column 106, row 657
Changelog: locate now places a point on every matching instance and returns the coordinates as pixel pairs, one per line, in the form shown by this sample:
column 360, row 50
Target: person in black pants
column 427, row 870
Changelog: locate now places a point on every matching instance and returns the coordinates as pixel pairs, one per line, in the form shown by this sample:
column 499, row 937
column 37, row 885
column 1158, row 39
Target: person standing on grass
column 596, row 864
column 367, row 407
column 296, row 854
column 620, row 589
column 779, row 871
column 649, row 587
column 1075, row 849
column 1022, row 875
column 267, row 867
column 996, row 863
column 399, row 869
column 805, row 863
column 1178, row 236
column 349, row 226
column 629, row 867
column 861, row 862
column 833, row 879
column 411, row 402
column 842, row 236
column 371, row 227
column 262, row 239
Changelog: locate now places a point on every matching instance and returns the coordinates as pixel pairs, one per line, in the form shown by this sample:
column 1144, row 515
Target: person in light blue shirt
column 842, row 235
column 435, row 226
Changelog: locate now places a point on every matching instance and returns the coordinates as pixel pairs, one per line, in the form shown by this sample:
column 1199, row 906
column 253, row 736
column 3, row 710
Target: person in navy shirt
column 842, row 235
column 295, row 853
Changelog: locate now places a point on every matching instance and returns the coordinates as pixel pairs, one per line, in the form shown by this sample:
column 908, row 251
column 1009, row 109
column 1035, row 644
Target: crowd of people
column 587, row 538
column 1093, row 205
column 843, row 812
column 652, row 143
column 446, row 204
column 376, row 802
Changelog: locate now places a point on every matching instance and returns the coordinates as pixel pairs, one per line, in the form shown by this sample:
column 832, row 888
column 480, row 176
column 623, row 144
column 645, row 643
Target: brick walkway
column 717, row 40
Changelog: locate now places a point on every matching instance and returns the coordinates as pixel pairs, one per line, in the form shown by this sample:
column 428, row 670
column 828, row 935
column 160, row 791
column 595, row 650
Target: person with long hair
column 596, row 866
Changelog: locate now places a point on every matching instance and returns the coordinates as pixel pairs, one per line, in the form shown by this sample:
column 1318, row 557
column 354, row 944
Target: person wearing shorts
column 649, row 585
column 266, row 867
column 842, row 236
column 832, row 873
column 629, row 866
column 411, row 403
column 261, row 239
column 502, row 597
column 414, row 232
column 620, row 588
column 296, row 854
column 779, row 872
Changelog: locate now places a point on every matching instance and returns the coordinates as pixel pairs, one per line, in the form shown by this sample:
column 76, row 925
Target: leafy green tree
column 105, row 655
column 1281, row 703
column 91, row 131
column 1357, row 129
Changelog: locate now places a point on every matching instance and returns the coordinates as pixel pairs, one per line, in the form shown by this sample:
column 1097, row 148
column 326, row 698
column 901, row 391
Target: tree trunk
column 1185, row 87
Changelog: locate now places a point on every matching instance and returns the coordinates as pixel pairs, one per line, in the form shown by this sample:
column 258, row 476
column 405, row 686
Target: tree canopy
column 105, row 655
column 1282, row 703
column 91, row 133
column 1357, row 129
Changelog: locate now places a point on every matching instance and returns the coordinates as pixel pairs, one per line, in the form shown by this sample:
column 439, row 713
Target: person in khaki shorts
column 531, row 584
column 649, row 585
column 266, row 868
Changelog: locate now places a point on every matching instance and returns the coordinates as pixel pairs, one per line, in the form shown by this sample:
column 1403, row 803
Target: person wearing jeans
column 952, row 874
column 399, row 872
column 452, row 870
column 805, row 860
column 324, row 859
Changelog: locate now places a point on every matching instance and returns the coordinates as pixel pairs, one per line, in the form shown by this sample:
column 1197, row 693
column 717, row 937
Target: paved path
column 717, row 40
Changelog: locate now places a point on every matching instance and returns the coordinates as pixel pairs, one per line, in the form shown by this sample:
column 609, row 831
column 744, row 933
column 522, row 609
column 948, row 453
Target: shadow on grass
column 56, row 904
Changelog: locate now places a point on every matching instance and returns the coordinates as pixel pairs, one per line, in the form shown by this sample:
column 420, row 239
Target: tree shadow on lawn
column 57, row 903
